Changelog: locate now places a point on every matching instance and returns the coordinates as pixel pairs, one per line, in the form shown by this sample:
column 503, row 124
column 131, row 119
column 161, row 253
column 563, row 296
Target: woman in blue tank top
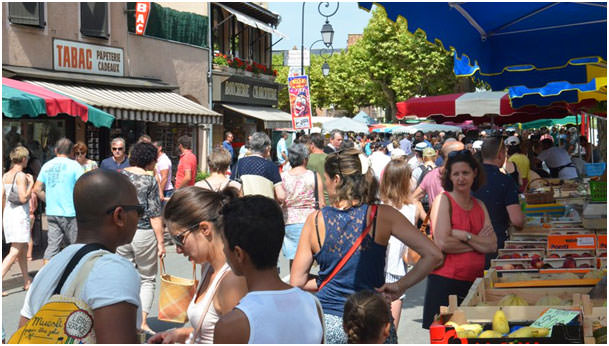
column 329, row 234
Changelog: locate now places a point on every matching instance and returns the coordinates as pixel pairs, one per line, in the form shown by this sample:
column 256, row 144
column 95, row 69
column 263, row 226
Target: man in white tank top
column 272, row 312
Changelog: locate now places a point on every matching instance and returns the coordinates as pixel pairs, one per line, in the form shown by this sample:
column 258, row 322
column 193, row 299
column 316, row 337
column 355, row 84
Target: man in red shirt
column 187, row 167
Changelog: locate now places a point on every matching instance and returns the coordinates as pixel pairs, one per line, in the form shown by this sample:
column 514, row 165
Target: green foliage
column 201, row 175
column 387, row 65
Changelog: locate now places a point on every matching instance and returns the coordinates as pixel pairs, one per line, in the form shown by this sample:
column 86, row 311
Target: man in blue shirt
column 118, row 160
column 227, row 144
column 282, row 151
column 499, row 194
column 406, row 145
column 55, row 186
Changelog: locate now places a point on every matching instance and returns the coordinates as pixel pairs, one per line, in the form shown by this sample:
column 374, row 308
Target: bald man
column 432, row 182
column 107, row 212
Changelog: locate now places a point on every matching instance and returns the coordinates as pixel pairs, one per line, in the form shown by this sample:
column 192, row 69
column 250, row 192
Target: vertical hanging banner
column 142, row 9
column 300, row 102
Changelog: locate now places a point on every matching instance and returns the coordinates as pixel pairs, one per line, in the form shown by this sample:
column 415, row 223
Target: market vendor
column 558, row 160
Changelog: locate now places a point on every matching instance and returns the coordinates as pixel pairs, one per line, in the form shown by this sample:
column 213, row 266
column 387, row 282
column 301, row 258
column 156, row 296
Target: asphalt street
column 409, row 331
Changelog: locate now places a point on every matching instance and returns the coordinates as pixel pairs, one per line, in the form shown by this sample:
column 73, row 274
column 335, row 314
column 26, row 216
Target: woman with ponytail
column 193, row 218
column 354, row 222
column 366, row 319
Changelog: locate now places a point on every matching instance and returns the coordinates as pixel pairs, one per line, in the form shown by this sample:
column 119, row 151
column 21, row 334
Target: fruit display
column 517, row 264
column 595, row 274
column 569, row 262
column 512, row 300
column 521, row 245
column 551, row 300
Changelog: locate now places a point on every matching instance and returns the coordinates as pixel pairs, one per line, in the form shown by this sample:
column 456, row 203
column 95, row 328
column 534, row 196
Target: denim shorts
column 290, row 240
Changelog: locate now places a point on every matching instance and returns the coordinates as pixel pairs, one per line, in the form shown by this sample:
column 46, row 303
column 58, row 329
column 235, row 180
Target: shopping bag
column 176, row 293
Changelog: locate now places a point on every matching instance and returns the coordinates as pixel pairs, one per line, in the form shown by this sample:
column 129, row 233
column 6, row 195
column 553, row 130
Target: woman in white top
column 395, row 191
column 218, row 162
column 192, row 217
column 16, row 217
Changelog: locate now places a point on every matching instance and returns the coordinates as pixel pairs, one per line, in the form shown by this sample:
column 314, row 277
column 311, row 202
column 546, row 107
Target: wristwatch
column 468, row 237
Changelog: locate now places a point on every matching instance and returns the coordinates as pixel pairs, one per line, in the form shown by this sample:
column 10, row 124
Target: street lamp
column 325, row 69
column 327, row 33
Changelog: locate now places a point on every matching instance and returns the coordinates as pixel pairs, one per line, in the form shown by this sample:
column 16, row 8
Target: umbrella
column 344, row 124
column 507, row 41
column 20, row 98
column 535, row 124
column 479, row 106
column 362, row 117
column 466, row 125
column 427, row 127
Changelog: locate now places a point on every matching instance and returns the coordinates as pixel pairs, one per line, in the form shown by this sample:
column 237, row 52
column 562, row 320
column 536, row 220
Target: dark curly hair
column 467, row 157
column 255, row 224
column 142, row 154
column 365, row 315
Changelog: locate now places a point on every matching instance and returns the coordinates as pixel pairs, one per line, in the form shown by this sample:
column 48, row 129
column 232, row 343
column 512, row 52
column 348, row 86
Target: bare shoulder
column 232, row 328
column 230, row 291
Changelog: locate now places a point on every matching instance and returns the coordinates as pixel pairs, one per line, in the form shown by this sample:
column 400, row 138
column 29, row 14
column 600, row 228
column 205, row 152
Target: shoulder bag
column 349, row 253
column 175, row 295
column 13, row 195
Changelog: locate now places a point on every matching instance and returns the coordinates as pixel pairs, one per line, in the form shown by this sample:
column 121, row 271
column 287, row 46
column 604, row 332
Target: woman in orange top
column 462, row 229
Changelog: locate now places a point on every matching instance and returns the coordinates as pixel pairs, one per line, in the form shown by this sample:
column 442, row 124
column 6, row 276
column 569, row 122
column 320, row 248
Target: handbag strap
column 194, row 268
column 316, row 192
column 74, row 261
column 209, row 302
column 349, row 253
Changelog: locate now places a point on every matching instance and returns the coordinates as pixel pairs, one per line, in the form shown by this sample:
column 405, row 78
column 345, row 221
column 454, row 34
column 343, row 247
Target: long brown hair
column 353, row 184
column 395, row 183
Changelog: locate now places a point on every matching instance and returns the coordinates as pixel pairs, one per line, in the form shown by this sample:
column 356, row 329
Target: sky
column 349, row 19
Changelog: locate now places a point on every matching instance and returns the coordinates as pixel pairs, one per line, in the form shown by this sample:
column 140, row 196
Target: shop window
column 39, row 136
column 218, row 30
column 26, row 13
column 94, row 19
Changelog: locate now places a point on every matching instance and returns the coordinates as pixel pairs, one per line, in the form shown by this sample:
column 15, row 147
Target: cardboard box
column 571, row 241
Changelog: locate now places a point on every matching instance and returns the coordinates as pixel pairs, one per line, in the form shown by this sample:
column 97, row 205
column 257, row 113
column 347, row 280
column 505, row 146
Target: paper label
column 553, row 317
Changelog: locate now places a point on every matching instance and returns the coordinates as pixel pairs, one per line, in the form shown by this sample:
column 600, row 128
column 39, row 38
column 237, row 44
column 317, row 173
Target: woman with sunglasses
column 192, row 217
column 80, row 155
column 461, row 227
column 329, row 234
column 147, row 244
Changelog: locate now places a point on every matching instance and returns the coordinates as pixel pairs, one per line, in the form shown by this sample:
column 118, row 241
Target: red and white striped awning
column 481, row 106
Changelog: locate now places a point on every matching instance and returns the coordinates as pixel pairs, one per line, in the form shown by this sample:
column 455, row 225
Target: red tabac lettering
column 89, row 56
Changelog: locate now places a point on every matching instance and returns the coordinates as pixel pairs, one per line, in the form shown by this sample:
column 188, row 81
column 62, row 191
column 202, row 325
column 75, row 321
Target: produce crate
column 508, row 280
column 524, row 245
column 594, row 312
column 601, row 241
column 513, row 265
column 595, row 169
column 481, row 301
column 441, row 334
column 571, row 241
column 520, row 253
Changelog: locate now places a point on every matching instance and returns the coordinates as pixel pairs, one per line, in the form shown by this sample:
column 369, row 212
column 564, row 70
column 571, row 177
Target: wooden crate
column 592, row 312
column 537, row 280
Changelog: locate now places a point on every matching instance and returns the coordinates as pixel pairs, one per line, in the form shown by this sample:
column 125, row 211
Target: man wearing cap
column 431, row 185
column 417, row 159
column 378, row 159
column 429, row 158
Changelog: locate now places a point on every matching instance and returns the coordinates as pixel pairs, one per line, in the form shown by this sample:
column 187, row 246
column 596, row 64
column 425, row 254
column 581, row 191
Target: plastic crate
column 598, row 191
column 595, row 169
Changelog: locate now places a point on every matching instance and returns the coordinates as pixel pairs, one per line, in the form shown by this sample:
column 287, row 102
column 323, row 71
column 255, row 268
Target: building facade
column 155, row 84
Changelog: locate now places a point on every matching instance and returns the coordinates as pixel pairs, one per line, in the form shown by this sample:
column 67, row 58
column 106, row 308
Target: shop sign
column 81, row 57
column 141, row 17
column 300, row 102
column 247, row 91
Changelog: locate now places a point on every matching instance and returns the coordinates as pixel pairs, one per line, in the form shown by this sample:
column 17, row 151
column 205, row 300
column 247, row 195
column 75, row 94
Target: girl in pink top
column 462, row 229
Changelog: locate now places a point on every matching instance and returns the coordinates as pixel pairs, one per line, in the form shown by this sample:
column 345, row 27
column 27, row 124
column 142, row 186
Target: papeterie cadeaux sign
column 142, row 9
column 300, row 102
column 87, row 58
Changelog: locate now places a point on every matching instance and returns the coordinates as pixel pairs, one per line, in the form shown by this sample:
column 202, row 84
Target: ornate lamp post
column 327, row 32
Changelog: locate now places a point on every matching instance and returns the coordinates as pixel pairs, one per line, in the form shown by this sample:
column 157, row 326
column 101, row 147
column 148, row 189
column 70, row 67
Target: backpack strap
column 74, row 261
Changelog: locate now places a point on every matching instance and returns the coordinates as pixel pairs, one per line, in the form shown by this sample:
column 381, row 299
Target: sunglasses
column 138, row 208
column 463, row 152
column 178, row 239
column 118, row 149
column 78, row 153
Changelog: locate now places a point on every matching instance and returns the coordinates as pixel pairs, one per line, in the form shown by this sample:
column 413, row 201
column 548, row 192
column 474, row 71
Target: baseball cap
column 420, row 146
column 477, row 145
column 428, row 152
column 396, row 153
column 512, row 140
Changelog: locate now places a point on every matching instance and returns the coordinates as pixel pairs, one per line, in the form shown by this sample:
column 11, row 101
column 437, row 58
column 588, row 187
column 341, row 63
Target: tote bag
column 175, row 295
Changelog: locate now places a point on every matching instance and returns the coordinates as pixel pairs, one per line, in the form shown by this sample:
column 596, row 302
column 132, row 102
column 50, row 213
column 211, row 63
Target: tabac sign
column 87, row 58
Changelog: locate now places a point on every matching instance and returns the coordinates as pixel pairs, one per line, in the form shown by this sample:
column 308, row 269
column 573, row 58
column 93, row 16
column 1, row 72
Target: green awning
column 571, row 119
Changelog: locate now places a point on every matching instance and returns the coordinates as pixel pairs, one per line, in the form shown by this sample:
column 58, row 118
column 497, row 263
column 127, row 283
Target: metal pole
column 302, row 42
column 210, row 46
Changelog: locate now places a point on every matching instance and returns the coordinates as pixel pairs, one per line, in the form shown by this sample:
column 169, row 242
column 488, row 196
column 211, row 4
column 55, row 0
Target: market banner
column 300, row 102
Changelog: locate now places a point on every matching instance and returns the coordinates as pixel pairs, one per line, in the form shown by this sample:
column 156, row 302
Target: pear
column 487, row 334
column 500, row 323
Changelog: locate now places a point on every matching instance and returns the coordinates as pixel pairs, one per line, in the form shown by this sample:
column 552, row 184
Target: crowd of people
column 350, row 207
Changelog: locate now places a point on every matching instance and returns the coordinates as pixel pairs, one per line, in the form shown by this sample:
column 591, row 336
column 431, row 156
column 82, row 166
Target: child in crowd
column 366, row 319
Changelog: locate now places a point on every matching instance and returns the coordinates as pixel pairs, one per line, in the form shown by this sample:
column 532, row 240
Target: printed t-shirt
column 59, row 177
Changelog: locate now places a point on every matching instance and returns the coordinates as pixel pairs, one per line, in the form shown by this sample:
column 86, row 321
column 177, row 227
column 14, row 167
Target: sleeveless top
column 282, row 317
column 300, row 196
column 364, row 270
column 394, row 264
column 195, row 310
column 465, row 266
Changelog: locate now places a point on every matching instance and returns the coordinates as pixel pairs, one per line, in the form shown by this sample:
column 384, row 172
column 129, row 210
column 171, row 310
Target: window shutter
column 94, row 19
column 26, row 13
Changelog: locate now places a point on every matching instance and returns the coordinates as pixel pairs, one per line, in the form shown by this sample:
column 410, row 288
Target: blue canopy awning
column 511, row 44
